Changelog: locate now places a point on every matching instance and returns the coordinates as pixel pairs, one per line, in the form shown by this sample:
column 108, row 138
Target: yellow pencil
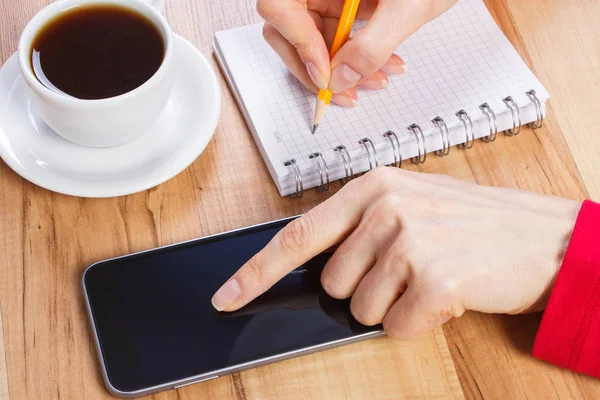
column 341, row 36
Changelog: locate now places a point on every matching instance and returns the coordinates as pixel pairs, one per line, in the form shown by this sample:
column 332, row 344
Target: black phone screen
column 155, row 323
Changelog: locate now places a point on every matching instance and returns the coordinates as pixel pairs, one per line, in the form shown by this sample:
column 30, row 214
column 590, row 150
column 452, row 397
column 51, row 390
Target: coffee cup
column 103, row 122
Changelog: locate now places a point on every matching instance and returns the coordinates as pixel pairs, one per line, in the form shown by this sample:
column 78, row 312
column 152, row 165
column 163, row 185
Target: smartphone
column 155, row 327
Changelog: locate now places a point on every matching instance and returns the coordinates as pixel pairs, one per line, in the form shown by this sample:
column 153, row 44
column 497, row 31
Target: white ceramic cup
column 105, row 122
column 158, row 4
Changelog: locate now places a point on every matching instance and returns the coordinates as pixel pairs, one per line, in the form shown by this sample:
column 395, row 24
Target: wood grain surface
column 47, row 239
column 3, row 370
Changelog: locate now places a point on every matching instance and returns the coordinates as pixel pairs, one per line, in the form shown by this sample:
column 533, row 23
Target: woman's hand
column 417, row 249
column 301, row 31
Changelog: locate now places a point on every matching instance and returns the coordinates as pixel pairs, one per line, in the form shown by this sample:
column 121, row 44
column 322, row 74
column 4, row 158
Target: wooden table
column 47, row 239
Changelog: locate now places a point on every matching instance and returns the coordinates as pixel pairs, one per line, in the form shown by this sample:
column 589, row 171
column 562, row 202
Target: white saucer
column 181, row 133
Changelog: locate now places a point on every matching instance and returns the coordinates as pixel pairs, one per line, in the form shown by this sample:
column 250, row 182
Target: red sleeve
column 569, row 334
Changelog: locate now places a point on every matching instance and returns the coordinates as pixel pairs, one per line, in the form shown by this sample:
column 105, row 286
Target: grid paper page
column 458, row 61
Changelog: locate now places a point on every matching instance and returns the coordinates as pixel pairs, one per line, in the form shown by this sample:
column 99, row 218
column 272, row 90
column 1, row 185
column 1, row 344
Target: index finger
column 293, row 20
column 299, row 241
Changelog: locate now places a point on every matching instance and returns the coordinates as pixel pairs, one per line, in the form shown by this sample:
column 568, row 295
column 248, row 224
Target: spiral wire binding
column 421, row 146
column 396, row 148
column 323, row 171
column 443, row 128
column 538, row 110
column 420, row 141
column 491, row 119
column 347, row 162
column 298, row 176
column 516, row 117
column 364, row 142
column 469, row 133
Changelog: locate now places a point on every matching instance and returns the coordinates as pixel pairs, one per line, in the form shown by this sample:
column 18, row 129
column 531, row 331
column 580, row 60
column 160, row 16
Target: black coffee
column 99, row 51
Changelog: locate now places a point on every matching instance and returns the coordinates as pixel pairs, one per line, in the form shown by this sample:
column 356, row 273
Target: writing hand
column 301, row 31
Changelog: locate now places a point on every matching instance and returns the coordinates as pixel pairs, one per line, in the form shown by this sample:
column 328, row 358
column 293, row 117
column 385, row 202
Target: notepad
column 457, row 62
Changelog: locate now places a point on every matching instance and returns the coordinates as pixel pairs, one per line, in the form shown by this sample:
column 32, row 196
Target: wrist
column 564, row 218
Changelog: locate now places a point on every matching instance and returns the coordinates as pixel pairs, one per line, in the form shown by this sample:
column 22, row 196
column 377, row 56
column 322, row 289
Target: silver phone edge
column 217, row 373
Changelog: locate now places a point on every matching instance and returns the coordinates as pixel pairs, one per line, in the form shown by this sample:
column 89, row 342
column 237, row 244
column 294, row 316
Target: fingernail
column 343, row 77
column 343, row 100
column 394, row 65
column 315, row 75
column 226, row 295
column 394, row 69
column 374, row 84
column 377, row 81
column 350, row 93
column 442, row 320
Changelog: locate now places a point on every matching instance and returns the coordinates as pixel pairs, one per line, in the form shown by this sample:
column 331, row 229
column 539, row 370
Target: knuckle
column 418, row 244
column 393, row 260
column 382, row 174
column 254, row 272
column 382, row 179
column 370, row 51
column 305, row 44
column 447, row 290
column 297, row 235
column 389, row 205
column 269, row 32
column 386, row 213
column 379, row 180
column 428, row 279
column 434, row 285
column 395, row 329
column 267, row 9
column 392, row 329
column 373, row 56
column 454, row 310
column 351, row 187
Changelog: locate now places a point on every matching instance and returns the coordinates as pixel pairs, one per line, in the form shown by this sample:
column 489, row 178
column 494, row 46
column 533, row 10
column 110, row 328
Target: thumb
column 369, row 49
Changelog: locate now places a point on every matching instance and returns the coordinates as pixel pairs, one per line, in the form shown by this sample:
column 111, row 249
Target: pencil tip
column 314, row 128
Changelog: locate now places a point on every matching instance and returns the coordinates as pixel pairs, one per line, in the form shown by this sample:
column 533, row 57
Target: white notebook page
column 457, row 61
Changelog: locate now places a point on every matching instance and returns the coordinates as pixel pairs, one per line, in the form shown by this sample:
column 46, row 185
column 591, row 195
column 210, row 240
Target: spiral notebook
column 464, row 82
